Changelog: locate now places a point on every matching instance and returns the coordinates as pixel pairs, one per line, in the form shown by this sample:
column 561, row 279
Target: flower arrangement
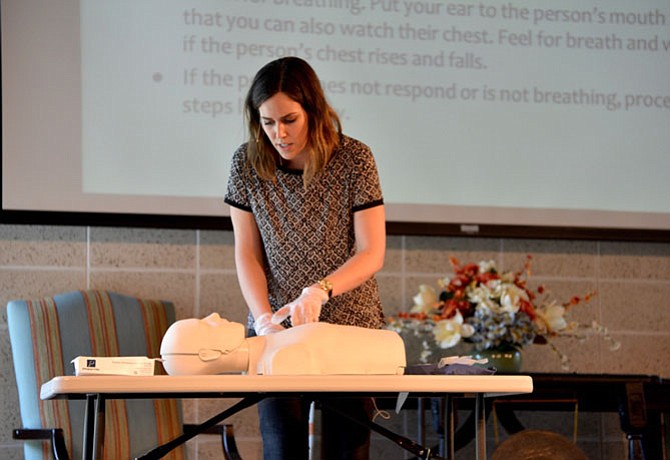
column 492, row 310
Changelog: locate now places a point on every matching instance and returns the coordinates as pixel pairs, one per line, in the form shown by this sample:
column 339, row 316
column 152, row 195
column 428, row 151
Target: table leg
column 480, row 417
column 448, row 424
column 421, row 420
column 407, row 444
column 89, row 424
column 99, row 429
column 162, row 450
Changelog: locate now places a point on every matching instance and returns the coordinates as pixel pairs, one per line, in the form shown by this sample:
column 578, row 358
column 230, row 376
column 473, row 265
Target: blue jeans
column 284, row 424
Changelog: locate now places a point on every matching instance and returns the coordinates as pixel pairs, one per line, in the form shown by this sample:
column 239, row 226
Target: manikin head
column 211, row 345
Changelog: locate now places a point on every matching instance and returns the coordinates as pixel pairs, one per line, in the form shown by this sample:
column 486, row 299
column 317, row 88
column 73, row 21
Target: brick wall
column 195, row 269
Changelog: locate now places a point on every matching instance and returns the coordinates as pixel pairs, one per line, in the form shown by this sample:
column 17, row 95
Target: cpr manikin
column 214, row 345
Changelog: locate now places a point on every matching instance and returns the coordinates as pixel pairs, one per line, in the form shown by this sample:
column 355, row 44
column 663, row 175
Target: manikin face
column 196, row 336
column 285, row 123
column 211, row 345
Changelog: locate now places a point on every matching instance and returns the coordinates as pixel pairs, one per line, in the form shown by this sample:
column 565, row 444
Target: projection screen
column 551, row 114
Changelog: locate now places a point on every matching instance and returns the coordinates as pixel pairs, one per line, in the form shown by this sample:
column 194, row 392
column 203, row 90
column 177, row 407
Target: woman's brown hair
column 295, row 78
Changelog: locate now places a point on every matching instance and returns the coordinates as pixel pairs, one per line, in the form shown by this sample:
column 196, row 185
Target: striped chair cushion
column 47, row 334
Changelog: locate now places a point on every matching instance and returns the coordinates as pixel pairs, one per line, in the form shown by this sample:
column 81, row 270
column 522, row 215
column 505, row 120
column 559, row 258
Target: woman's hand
column 263, row 325
column 305, row 309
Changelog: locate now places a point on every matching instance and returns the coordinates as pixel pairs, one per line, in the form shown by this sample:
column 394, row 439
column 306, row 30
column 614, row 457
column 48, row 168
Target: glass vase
column 506, row 361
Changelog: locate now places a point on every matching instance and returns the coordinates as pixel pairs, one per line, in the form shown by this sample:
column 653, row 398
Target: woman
column 308, row 218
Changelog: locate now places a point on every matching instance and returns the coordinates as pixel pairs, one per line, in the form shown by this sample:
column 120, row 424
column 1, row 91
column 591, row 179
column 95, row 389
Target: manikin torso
column 213, row 345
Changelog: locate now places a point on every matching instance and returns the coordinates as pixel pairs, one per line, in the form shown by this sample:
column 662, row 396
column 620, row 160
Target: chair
column 46, row 334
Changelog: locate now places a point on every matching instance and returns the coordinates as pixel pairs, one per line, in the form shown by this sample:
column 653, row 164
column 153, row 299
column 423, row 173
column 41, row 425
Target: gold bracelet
column 327, row 286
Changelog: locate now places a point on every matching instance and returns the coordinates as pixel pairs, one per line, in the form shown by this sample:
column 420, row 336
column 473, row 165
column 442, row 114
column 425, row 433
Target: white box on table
column 116, row 365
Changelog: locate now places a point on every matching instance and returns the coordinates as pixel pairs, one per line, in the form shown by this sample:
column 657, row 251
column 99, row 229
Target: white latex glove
column 263, row 325
column 305, row 309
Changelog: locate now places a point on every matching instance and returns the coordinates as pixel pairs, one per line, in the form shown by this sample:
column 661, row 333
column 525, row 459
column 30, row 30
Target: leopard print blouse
column 308, row 233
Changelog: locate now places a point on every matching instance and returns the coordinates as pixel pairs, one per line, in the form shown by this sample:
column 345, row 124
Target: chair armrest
column 55, row 435
column 227, row 434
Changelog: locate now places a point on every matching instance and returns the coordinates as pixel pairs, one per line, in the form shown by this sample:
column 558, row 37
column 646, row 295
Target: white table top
column 235, row 385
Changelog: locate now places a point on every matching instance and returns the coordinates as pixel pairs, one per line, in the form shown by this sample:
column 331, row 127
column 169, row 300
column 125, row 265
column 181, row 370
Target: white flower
column 493, row 284
column 426, row 352
column 487, row 266
column 552, row 317
column 482, row 297
column 510, row 297
column 478, row 294
column 443, row 282
column 426, row 300
column 448, row 332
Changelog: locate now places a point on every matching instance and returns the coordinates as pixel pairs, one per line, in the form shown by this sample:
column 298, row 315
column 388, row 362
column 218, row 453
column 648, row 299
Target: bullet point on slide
column 158, row 77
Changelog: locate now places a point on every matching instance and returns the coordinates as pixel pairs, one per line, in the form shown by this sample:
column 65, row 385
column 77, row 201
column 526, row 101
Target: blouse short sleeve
column 365, row 179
